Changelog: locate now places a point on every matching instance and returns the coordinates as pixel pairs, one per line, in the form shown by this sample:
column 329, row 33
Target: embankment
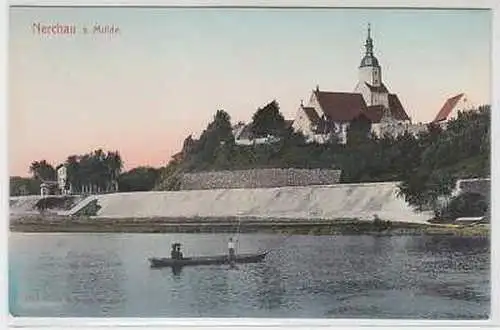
column 30, row 205
column 340, row 201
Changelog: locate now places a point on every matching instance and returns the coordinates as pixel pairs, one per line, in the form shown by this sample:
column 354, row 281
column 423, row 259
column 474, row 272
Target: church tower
column 370, row 83
column 369, row 69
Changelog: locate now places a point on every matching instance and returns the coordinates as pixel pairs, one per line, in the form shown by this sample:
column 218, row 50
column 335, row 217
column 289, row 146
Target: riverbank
column 53, row 223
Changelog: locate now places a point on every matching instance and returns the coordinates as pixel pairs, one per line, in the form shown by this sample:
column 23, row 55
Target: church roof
column 447, row 108
column 341, row 106
column 369, row 60
column 377, row 89
column 311, row 114
column 397, row 110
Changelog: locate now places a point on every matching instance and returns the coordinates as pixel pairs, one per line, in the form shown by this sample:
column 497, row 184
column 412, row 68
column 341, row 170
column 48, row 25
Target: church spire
column 369, row 42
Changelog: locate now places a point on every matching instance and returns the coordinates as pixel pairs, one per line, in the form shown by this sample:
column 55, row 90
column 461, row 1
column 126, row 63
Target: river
column 108, row 275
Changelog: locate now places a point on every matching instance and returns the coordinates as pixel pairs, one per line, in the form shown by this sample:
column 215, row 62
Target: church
column 330, row 113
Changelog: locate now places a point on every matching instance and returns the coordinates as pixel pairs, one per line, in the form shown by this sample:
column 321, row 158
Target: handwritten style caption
column 58, row 29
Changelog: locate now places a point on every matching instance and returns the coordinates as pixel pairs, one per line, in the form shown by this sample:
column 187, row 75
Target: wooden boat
column 200, row 261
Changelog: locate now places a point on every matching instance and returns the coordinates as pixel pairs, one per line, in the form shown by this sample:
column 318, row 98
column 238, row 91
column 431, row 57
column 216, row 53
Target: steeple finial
column 369, row 41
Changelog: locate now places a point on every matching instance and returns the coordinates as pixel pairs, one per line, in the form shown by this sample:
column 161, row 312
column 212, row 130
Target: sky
column 164, row 75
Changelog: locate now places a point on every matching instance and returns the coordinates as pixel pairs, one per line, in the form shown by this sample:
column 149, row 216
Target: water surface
column 108, row 275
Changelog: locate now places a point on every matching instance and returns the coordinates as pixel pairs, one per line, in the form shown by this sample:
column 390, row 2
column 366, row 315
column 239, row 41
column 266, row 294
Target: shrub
column 465, row 205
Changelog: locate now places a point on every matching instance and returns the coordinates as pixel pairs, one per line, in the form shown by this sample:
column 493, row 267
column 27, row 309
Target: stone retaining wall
column 259, row 178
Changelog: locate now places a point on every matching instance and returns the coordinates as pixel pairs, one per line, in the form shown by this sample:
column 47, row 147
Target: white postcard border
column 260, row 323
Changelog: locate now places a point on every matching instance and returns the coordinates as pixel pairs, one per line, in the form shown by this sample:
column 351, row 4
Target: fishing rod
column 238, row 234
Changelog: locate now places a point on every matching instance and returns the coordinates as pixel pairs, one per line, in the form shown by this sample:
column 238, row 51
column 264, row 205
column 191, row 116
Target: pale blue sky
column 143, row 91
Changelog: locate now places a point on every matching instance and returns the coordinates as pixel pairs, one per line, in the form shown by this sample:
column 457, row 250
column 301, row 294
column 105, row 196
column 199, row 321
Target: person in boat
column 176, row 253
column 179, row 253
column 230, row 247
column 173, row 252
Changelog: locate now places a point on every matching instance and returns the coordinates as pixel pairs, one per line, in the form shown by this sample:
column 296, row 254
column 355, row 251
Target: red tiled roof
column 447, row 108
column 378, row 89
column 375, row 113
column 397, row 110
column 312, row 115
column 341, row 106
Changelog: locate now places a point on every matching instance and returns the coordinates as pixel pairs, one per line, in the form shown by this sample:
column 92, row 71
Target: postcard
column 224, row 162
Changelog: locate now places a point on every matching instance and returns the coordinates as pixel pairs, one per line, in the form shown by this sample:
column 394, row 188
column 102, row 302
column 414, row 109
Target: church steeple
column 369, row 59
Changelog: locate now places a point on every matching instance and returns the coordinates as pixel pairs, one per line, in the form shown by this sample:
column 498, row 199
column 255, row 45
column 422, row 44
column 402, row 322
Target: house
column 62, row 180
column 330, row 113
column 243, row 135
column 452, row 107
column 48, row 188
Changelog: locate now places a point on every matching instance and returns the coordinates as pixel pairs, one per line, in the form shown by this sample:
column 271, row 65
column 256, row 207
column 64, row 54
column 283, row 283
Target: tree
column 42, row 170
column 217, row 133
column 138, row 179
column 358, row 132
column 24, row 186
column 73, row 173
column 268, row 121
column 113, row 165
column 443, row 156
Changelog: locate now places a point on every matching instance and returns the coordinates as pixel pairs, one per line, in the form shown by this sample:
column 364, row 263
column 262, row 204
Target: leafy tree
column 445, row 156
column 358, row 131
column 268, row 121
column 42, row 170
column 20, row 186
column 466, row 205
column 139, row 179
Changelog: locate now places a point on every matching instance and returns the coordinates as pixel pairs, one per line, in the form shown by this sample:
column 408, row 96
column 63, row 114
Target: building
column 243, row 135
column 451, row 108
column 62, row 180
column 330, row 113
column 48, row 188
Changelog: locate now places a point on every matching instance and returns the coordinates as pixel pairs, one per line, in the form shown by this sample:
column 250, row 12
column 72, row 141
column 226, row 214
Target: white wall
column 360, row 201
column 301, row 123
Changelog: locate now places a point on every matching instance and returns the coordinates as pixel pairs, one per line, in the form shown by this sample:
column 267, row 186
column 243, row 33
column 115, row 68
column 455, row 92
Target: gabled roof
column 341, row 106
column 447, row 108
column 397, row 110
column 312, row 115
column 377, row 89
column 246, row 133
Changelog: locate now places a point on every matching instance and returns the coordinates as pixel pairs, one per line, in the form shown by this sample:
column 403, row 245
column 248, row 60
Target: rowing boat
column 199, row 261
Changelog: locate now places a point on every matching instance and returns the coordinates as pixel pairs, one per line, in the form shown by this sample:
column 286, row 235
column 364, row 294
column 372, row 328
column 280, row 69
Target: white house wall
column 302, row 123
column 314, row 103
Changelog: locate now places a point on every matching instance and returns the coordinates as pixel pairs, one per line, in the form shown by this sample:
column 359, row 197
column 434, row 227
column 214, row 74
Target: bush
column 465, row 205
column 381, row 225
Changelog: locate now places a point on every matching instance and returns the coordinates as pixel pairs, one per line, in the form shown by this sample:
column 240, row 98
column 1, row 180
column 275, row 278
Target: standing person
column 230, row 247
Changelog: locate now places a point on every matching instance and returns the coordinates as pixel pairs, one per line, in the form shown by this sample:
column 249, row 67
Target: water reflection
column 177, row 271
column 94, row 280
